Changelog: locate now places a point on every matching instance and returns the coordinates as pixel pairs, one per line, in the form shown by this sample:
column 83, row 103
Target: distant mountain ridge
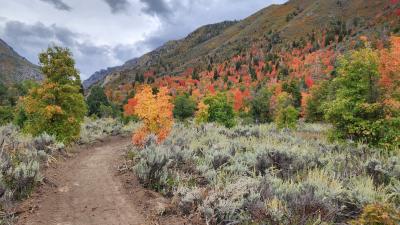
column 15, row 68
column 217, row 42
column 101, row 74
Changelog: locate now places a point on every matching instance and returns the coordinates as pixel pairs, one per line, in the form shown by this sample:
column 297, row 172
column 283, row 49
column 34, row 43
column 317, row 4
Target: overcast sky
column 104, row 33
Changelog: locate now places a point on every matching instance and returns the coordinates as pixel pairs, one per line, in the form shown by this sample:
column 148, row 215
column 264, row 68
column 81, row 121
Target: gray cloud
column 118, row 6
column 30, row 39
column 125, row 52
column 99, row 40
column 156, row 7
column 58, row 4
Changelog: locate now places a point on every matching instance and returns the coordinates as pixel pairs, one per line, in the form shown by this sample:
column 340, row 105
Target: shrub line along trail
column 86, row 191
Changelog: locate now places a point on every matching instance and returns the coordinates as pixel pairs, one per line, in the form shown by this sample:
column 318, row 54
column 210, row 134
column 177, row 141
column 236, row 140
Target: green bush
column 319, row 93
column 20, row 116
column 6, row 114
column 220, row 110
column 111, row 110
column 357, row 111
column 292, row 87
column 96, row 99
column 184, row 107
column 286, row 115
column 260, row 107
column 9, row 96
column 287, row 118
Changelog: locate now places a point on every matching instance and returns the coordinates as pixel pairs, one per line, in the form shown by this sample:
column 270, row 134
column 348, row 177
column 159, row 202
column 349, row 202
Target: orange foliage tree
column 389, row 69
column 155, row 110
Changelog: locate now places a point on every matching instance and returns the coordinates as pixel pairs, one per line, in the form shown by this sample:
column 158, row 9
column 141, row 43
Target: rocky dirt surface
column 89, row 189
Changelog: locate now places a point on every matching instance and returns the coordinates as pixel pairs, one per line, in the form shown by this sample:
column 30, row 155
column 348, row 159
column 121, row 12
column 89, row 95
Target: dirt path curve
column 87, row 192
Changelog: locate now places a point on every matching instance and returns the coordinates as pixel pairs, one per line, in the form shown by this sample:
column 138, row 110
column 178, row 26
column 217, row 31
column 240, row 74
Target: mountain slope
column 14, row 68
column 100, row 75
column 166, row 58
column 215, row 43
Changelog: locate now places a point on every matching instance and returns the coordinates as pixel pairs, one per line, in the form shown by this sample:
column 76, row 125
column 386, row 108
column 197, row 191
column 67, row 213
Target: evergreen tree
column 96, row 99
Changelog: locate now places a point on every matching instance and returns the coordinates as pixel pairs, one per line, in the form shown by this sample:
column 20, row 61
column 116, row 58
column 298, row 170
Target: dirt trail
column 87, row 192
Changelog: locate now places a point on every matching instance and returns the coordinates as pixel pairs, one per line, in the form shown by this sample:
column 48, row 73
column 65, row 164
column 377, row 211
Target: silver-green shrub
column 261, row 174
column 20, row 160
column 19, row 164
column 96, row 129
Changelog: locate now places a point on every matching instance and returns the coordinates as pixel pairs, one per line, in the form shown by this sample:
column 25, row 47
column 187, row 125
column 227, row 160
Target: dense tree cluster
column 301, row 80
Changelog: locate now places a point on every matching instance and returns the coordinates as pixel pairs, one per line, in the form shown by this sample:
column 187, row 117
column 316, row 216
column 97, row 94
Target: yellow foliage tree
column 155, row 110
column 202, row 113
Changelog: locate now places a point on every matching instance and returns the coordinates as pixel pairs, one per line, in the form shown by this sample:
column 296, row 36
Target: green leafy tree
column 56, row 107
column 260, row 106
column 220, row 110
column 9, row 97
column 96, row 99
column 20, row 116
column 58, row 66
column 106, row 111
column 24, row 87
column 319, row 93
column 286, row 115
column 185, row 106
column 293, row 88
column 356, row 112
column 6, row 115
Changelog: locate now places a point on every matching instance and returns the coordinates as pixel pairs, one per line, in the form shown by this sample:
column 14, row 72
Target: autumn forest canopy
column 301, row 129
